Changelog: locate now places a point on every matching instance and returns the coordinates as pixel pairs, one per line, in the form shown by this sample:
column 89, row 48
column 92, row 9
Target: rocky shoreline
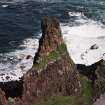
column 54, row 77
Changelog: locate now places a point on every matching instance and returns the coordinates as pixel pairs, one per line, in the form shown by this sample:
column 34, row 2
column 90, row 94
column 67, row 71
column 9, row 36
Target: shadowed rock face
column 53, row 72
column 12, row 89
column 96, row 73
column 89, row 71
column 99, row 85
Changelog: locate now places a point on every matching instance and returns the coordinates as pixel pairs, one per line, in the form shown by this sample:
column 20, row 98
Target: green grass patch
column 52, row 56
column 87, row 91
column 63, row 100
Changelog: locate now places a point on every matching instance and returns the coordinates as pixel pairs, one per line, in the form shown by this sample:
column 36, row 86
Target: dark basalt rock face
column 89, row 71
column 12, row 89
column 99, row 85
column 96, row 73
column 94, row 47
column 53, row 72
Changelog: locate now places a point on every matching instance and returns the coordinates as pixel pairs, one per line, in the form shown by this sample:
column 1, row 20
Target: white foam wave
column 4, row 6
column 80, row 17
column 85, row 43
column 81, row 38
column 23, row 59
column 90, row 29
column 22, row 1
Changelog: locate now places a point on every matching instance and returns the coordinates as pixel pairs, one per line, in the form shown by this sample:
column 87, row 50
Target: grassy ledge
column 51, row 57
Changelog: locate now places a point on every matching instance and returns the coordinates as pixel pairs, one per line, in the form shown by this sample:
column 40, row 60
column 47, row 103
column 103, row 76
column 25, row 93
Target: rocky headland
column 54, row 79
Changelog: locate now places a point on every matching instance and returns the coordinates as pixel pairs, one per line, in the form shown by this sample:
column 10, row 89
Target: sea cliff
column 53, row 72
column 53, row 79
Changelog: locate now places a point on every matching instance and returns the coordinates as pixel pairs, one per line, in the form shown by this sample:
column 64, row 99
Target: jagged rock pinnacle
column 51, row 36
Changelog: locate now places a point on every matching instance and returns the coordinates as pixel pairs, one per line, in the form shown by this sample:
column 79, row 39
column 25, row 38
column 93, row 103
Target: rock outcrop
column 51, row 37
column 96, row 73
column 53, row 73
column 99, row 85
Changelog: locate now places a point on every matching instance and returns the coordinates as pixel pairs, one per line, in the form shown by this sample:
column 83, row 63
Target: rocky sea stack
column 54, row 78
column 53, row 73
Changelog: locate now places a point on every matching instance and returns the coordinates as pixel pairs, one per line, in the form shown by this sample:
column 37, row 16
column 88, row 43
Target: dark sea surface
column 20, row 20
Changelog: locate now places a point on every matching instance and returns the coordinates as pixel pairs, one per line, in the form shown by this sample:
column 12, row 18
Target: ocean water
column 82, row 23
